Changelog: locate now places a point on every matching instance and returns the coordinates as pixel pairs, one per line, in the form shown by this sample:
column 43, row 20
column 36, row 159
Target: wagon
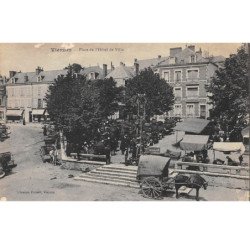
column 6, row 163
column 45, row 152
column 153, row 175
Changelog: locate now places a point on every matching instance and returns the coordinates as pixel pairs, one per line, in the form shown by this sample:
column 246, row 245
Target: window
column 166, row 76
column 172, row 60
column 22, row 103
column 22, row 91
column 178, row 92
column 13, row 80
column 192, row 58
column 16, row 103
column 190, row 110
column 192, row 73
column 39, row 79
column 177, row 75
column 177, row 110
column 1, row 115
column 39, row 90
column 28, row 103
column 39, row 103
column 192, row 91
column 92, row 75
column 0, row 101
column 203, row 111
column 27, row 90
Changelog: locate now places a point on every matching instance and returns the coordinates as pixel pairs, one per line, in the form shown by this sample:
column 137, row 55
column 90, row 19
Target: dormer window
column 192, row 58
column 13, row 80
column 39, row 79
column 172, row 60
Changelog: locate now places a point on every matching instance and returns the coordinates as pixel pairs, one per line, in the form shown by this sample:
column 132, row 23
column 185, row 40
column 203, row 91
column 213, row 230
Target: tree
column 75, row 67
column 156, row 92
column 229, row 92
column 77, row 106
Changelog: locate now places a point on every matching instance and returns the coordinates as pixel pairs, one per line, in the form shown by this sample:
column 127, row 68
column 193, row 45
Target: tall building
column 189, row 72
column 26, row 94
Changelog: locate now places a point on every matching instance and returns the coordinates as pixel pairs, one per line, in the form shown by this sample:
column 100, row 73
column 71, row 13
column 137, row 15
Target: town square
column 173, row 127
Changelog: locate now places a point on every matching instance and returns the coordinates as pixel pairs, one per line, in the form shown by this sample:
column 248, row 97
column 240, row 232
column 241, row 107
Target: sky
column 26, row 57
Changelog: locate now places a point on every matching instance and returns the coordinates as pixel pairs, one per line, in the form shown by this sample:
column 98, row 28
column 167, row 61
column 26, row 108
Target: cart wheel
column 151, row 188
column 2, row 173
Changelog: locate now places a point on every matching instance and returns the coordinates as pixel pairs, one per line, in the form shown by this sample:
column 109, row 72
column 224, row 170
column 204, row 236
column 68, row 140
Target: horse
column 194, row 181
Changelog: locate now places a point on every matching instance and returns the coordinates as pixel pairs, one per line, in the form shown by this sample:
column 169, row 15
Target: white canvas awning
column 14, row 112
column 194, row 142
column 38, row 111
column 229, row 147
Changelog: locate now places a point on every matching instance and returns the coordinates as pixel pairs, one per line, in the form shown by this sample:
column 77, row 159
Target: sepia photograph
column 124, row 122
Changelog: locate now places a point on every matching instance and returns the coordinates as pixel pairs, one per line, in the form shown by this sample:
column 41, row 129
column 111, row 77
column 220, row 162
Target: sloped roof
column 19, row 77
column 51, row 75
column 192, row 125
column 150, row 62
column 183, row 57
column 121, row 72
column 47, row 76
column 96, row 69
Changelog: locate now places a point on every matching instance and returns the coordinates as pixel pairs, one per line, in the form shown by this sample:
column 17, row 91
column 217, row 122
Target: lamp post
column 141, row 102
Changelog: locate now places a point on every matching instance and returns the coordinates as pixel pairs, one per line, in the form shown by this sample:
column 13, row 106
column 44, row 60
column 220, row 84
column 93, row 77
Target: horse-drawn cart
column 153, row 175
column 6, row 163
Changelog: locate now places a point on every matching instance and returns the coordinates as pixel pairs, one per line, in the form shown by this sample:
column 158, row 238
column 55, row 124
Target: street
column 33, row 180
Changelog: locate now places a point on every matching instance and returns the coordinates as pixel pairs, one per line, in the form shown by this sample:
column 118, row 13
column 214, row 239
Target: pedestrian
column 108, row 154
column 241, row 159
column 44, row 130
column 124, row 144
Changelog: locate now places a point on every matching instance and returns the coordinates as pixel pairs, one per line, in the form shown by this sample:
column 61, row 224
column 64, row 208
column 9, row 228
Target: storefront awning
column 38, row 111
column 229, row 147
column 194, row 142
column 14, row 112
column 245, row 132
column 192, row 125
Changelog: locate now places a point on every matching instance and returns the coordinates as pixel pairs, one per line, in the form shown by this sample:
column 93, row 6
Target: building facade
column 188, row 72
column 3, row 101
column 26, row 93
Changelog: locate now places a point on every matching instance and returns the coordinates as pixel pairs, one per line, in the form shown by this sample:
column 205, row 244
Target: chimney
column 199, row 54
column 112, row 66
column 174, row 51
column 159, row 56
column 12, row 73
column 136, row 65
column 135, row 60
column 38, row 70
column 26, row 78
column 121, row 64
column 105, row 70
column 192, row 47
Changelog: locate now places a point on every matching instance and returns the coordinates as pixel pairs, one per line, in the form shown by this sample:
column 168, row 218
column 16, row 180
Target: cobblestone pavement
column 34, row 180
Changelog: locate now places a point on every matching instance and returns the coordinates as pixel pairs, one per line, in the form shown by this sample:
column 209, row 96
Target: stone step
column 100, row 173
column 121, row 168
column 109, row 182
column 108, row 177
column 114, row 171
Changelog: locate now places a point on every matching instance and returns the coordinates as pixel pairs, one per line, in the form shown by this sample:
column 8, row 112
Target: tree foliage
column 75, row 67
column 230, row 92
column 158, row 94
column 77, row 106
